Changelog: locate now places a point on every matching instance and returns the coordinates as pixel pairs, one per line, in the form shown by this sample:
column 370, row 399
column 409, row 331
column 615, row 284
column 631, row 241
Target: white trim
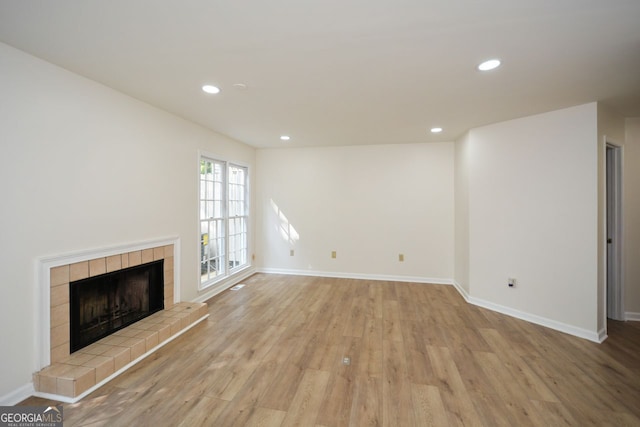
column 602, row 335
column 43, row 265
column 598, row 337
column 411, row 279
column 18, row 395
column 177, row 288
column 226, row 284
column 68, row 399
column 462, row 291
column 85, row 255
column 614, row 302
column 632, row 316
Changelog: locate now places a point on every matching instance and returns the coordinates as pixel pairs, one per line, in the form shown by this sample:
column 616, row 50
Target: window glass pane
column 223, row 210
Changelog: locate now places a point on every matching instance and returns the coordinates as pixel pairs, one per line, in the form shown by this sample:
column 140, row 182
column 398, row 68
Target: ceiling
column 342, row 72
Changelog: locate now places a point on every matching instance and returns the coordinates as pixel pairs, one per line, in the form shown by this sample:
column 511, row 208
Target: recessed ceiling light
column 211, row 89
column 285, row 137
column 240, row 86
column 489, row 65
column 436, row 130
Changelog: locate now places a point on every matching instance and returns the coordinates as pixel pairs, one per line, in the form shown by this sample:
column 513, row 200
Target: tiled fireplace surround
column 70, row 376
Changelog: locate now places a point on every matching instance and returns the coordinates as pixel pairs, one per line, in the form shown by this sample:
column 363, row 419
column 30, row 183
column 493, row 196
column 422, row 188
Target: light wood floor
column 271, row 354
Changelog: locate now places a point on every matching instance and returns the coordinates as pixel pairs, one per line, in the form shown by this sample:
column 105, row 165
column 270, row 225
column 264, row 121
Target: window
column 223, row 219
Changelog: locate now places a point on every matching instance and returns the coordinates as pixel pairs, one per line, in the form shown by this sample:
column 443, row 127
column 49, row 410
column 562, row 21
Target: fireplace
column 70, row 376
column 103, row 304
column 68, row 269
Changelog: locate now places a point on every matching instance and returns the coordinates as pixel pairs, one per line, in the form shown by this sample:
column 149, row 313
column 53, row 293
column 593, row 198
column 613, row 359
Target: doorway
column 615, row 295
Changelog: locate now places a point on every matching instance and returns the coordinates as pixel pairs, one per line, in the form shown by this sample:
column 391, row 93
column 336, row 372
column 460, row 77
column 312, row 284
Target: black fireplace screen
column 103, row 304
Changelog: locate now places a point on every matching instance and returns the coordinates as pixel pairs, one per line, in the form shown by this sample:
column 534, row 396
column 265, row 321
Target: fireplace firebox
column 103, row 304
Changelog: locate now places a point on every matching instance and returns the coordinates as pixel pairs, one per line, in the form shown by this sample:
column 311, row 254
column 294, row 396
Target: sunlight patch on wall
column 286, row 230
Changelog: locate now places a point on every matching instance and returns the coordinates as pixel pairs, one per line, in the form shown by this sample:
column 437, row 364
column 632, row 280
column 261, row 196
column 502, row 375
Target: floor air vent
column 237, row 287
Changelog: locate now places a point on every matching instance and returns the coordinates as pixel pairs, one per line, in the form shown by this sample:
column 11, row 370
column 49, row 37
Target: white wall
column 631, row 218
column 368, row 203
column 533, row 216
column 83, row 167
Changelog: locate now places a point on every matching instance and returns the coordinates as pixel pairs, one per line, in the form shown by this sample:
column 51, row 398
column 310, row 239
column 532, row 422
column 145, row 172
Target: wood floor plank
column 375, row 298
column 337, row 402
column 509, row 390
column 325, row 354
column 280, row 393
column 456, row 398
column 366, row 409
column 263, row 417
column 535, row 386
column 239, row 411
column 554, row 413
column 307, row 400
column 271, row 354
column 428, row 409
column 338, row 399
column 391, row 318
column 370, row 363
column 228, row 380
column 354, row 326
column 204, row 413
column 396, row 387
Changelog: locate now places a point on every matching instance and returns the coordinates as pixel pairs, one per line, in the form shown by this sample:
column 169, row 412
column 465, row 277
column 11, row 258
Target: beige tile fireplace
column 61, row 276
column 70, row 376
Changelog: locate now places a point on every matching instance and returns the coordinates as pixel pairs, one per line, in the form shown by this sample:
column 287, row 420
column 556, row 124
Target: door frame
column 614, row 288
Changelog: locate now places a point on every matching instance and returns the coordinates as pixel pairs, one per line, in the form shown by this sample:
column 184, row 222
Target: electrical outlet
column 401, row 257
column 333, row 254
column 512, row 282
column 291, row 252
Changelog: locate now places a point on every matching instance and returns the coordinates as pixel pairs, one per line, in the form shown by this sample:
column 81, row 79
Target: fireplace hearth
column 106, row 303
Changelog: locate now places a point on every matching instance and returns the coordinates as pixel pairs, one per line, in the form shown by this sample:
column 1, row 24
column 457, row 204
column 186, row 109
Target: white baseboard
column 17, row 395
column 602, row 335
column 462, row 291
column 630, row 315
column 598, row 337
column 224, row 285
column 340, row 275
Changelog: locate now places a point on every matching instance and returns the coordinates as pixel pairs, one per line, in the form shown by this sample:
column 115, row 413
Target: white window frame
column 222, row 252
